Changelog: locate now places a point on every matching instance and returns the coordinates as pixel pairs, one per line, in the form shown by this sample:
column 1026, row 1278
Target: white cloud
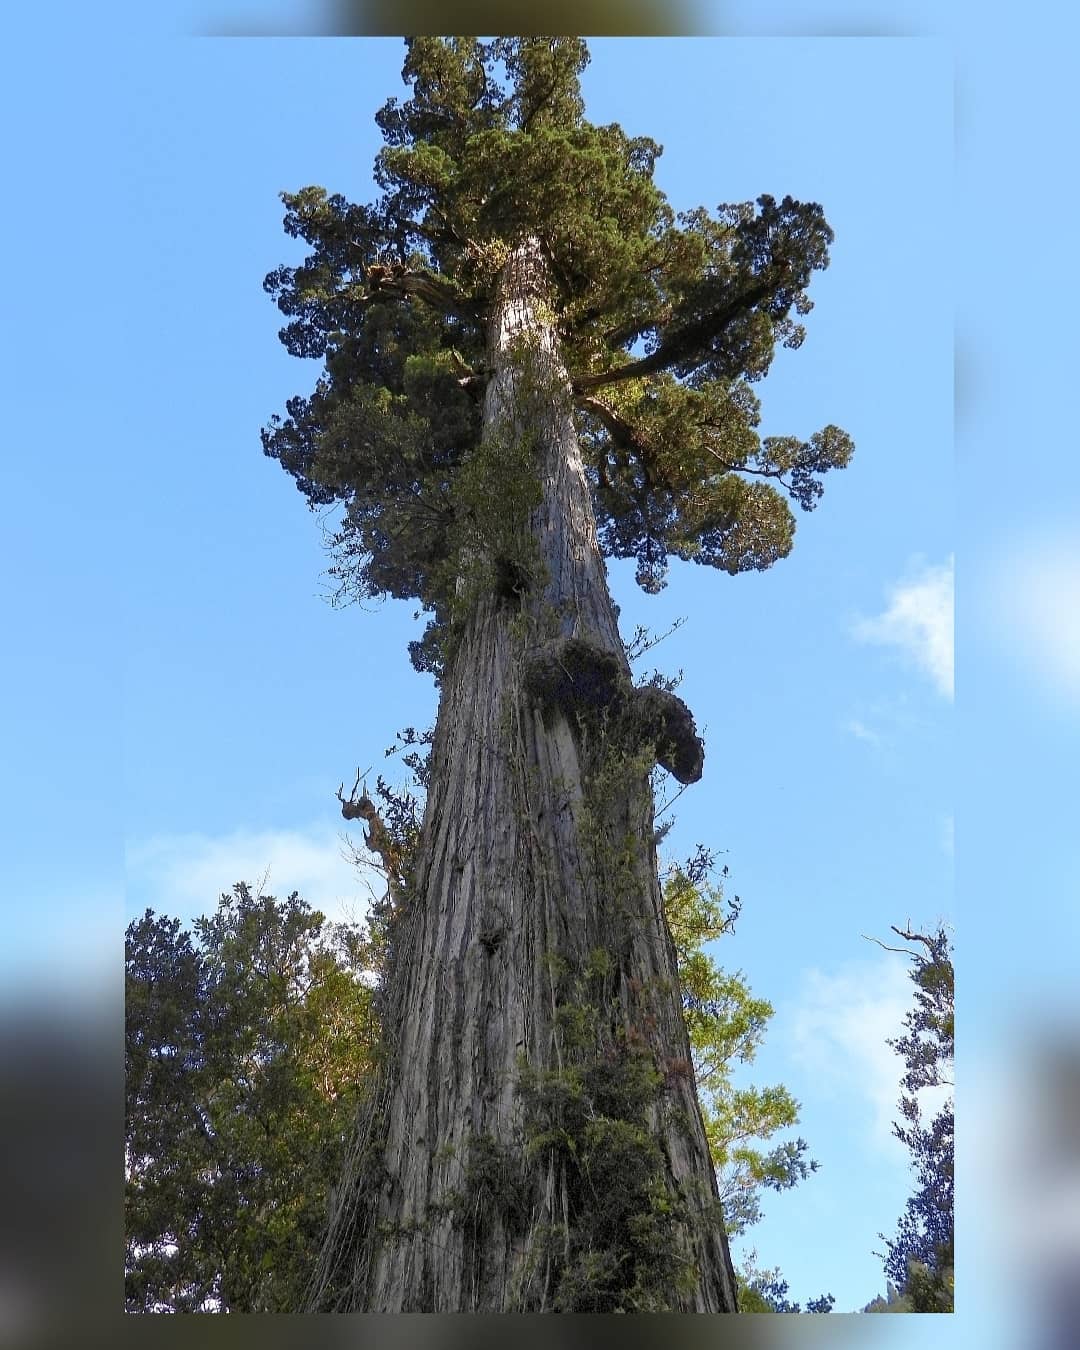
column 948, row 836
column 183, row 874
column 840, row 1026
column 862, row 732
column 883, row 723
column 918, row 619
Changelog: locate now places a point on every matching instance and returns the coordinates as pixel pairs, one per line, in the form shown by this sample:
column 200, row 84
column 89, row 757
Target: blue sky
column 823, row 686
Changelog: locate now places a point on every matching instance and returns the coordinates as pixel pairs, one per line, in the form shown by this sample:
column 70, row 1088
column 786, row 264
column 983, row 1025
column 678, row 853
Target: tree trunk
column 536, row 1142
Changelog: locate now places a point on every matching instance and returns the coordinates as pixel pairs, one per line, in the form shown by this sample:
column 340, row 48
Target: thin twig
column 668, row 805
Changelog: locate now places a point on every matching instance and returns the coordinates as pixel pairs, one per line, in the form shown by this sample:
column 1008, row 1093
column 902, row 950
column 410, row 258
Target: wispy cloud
column 883, row 723
column 862, row 732
column 839, row 1026
column 183, row 874
column 918, row 619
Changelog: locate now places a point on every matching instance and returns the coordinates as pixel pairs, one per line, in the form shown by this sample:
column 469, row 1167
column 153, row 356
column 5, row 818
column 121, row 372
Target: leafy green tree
column 727, row 1024
column 919, row 1259
column 249, row 1042
column 531, row 362
column 165, row 1143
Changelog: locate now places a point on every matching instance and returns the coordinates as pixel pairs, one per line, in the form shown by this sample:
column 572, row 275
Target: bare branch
column 904, row 951
column 351, row 806
column 908, row 936
column 643, row 641
column 669, row 804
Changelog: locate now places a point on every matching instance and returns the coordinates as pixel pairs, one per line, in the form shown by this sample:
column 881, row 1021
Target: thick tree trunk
column 533, row 957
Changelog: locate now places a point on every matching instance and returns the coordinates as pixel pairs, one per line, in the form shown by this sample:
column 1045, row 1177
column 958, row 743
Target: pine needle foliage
column 666, row 321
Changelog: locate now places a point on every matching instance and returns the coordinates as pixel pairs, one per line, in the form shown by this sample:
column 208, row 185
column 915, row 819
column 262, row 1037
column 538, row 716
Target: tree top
column 665, row 321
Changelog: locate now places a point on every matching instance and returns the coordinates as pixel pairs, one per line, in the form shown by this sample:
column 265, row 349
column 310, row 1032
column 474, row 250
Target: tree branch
column 434, row 236
column 621, row 430
column 904, row 951
column 625, row 434
column 626, row 437
column 728, row 467
column 913, row 937
column 632, row 329
column 440, row 294
column 679, row 347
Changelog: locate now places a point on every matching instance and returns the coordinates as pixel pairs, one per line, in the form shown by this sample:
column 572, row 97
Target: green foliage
column 492, row 551
column 248, row 1043
column 892, row 1302
column 495, row 1186
column 920, row 1257
column 930, row 1287
column 680, row 469
column 490, row 148
column 765, row 1291
column 618, row 1247
column 726, row 1025
column 615, row 1242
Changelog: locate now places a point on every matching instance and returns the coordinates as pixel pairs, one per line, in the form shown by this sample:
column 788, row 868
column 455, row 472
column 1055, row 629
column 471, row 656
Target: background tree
column 765, row 1291
column 530, row 362
column 249, row 1043
column 727, row 1025
column 919, row 1259
column 891, row 1302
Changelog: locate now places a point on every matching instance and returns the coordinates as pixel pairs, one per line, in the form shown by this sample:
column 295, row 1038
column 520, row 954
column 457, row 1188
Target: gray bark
column 512, row 870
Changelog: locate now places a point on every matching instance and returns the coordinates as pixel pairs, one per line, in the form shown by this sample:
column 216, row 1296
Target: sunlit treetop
column 666, row 321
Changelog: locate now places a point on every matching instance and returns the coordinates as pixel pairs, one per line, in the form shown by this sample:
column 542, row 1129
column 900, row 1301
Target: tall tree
column 531, row 362
column 919, row 1259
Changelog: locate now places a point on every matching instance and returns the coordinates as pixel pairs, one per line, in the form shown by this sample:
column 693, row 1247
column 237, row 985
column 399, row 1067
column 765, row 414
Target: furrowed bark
column 537, row 852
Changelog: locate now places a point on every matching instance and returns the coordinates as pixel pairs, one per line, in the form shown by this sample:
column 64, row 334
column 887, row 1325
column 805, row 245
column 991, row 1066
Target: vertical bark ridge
column 510, row 875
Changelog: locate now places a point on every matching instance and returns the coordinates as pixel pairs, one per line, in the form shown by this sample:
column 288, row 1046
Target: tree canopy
column 666, row 322
column 247, row 1045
